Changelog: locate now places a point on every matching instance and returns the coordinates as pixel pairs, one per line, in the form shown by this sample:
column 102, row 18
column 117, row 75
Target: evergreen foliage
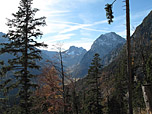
column 22, row 31
column 93, row 94
column 117, row 103
column 109, row 13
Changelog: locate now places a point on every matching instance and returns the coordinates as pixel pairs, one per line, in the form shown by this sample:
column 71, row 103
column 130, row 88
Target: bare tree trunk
column 63, row 76
column 129, row 56
column 26, row 64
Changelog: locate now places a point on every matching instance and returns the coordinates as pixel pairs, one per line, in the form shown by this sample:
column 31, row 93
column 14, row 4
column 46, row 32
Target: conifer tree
column 109, row 15
column 22, row 31
column 118, row 101
column 93, row 97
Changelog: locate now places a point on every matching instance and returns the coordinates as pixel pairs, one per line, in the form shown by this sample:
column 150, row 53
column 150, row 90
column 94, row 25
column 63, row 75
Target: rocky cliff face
column 73, row 56
column 141, row 43
column 105, row 45
column 78, row 59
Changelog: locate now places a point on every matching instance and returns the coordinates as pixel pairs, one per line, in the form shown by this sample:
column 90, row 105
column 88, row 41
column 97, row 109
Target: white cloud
column 82, row 42
column 59, row 37
column 59, row 24
column 90, row 1
column 46, row 9
column 96, row 30
column 45, row 4
column 7, row 7
column 52, row 40
column 54, row 27
column 85, row 26
column 76, row 27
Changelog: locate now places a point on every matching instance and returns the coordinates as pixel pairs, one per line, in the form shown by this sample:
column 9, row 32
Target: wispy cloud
column 66, row 27
column 78, row 26
column 59, row 37
column 59, row 11
column 71, row 19
column 91, row 1
column 96, row 30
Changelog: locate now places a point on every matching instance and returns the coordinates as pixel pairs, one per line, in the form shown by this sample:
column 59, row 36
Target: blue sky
column 79, row 22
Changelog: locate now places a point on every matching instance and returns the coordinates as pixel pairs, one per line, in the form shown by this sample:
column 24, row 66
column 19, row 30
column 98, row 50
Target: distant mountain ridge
column 77, row 59
column 75, row 50
column 141, row 43
column 104, row 45
column 71, row 57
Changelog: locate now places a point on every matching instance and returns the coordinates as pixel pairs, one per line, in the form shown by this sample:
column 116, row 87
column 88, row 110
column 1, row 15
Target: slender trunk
column 63, row 85
column 129, row 56
column 25, row 71
column 108, row 104
column 25, row 79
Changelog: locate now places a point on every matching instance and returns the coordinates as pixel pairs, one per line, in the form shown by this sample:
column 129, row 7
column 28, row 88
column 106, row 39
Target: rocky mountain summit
column 105, row 45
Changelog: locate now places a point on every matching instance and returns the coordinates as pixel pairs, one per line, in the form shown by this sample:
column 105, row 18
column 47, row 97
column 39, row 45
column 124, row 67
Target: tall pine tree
column 93, row 97
column 22, row 31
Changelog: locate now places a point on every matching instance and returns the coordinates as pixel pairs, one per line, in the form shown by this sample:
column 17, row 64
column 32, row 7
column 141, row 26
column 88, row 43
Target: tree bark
column 63, row 76
column 129, row 56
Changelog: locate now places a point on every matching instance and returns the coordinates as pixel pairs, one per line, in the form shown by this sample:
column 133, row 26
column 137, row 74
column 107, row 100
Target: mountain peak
column 111, row 36
column 103, row 45
column 73, row 50
column 110, row 33
column 108, row 40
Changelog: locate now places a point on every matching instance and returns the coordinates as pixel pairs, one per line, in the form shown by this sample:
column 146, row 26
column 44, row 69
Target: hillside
column 140, row 43
column 114, row 78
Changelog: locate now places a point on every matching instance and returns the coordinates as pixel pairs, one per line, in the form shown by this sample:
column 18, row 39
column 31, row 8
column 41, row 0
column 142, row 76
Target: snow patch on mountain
column 75, row 51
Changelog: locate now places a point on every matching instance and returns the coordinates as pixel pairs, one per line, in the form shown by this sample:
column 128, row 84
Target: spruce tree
column 93, row 97
column 22, row 31
column 118, row 101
